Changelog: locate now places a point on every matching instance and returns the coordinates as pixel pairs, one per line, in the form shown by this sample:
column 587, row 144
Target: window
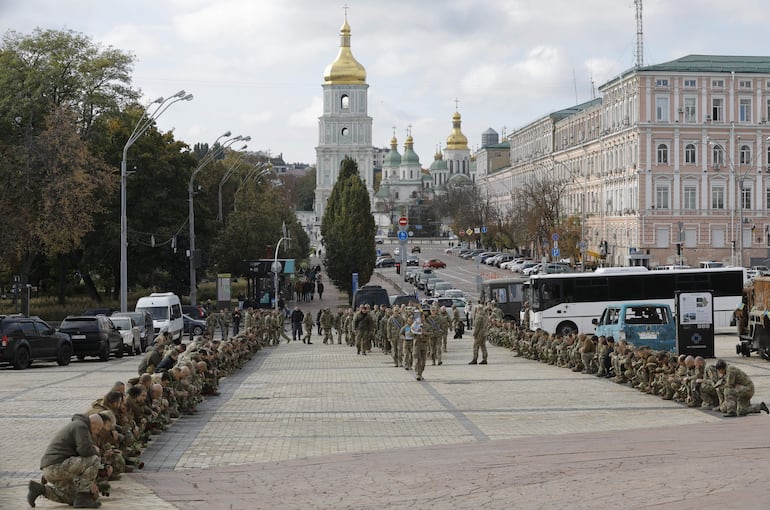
column 690, row 84
column 744, row 109
column 690, row 154
column 717, row 156
column 745, row 155
column 690, row 109
column 344, row 131
column 661, row 195
column 662, row 154
column 717, row 109
column 767, row 198
column 690, row 196
column 744, row 84
column 344, row 102
column 661, row 82
column 746, row 196
column 717, row 84
column 661, row 109
column 718, row 196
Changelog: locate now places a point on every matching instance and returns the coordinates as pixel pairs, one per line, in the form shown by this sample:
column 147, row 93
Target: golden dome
column 345, row 70
column 456, row 139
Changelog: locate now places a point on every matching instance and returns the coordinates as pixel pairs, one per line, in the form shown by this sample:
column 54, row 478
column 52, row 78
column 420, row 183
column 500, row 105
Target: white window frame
column 718, row 109
column 690, row 196
column 718, row 196
column 690, row 109
column 663, row 195
column 744, row 156
column 745, row 84
column 717, row 83
column 690, row 83
column 690, row 154
column 745, row 105
column 661, row 82
column 661, row 154
column 661, row 108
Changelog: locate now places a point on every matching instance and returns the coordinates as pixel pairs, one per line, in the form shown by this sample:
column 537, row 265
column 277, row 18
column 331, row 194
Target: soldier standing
column 419, row 347
column 433, row 332
column 364, row 325
column 307, row 321
column 480, row 336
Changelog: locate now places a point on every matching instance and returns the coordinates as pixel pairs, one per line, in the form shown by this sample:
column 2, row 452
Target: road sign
column 411, row 234
column 555, row 252
column 403, row 221
column 402, row 236
column 555, row 236
column 469, row 231
column 418, row 227
column 483, row 230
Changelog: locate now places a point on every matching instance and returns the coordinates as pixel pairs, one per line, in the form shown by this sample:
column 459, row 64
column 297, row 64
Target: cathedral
column 345, row 129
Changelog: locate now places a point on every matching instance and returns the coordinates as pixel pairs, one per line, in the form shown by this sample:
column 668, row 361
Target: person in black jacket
column 296, row 323
column 70, row 465
column 318, row 321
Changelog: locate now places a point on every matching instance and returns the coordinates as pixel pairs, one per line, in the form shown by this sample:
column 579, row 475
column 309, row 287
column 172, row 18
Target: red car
column 435, row 264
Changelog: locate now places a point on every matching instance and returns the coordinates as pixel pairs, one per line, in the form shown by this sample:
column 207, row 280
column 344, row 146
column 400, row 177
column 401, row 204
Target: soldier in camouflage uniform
column 327, row 322
column 480, row 331
column 432, row 333
column 307, row 323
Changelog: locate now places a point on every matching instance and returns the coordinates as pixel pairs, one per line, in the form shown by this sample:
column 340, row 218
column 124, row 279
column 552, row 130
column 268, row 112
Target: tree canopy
column 348, row 230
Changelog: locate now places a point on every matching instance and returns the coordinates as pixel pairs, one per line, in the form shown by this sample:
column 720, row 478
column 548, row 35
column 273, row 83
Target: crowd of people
column 107, row 439
column 683, row 378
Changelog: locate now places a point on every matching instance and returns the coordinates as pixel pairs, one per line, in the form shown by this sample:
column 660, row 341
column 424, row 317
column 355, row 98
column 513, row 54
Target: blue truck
column 650, row 324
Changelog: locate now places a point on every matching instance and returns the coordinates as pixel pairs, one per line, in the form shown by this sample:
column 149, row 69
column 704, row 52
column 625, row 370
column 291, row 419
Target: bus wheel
column 566, row 328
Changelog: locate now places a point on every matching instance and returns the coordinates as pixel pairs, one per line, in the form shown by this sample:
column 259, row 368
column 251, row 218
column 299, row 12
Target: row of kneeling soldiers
column 686, row 379
column 97, row 446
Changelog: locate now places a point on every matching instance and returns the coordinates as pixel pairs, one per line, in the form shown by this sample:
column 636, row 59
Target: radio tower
column 639, row 35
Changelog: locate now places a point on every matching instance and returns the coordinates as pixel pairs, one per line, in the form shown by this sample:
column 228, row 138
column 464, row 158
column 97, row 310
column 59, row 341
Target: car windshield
column 158, row 313
column 122, row 322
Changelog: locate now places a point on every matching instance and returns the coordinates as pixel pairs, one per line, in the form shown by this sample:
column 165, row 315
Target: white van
column 166, row 311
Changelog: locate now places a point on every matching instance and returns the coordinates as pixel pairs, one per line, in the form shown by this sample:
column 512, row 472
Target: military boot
column 36, row 489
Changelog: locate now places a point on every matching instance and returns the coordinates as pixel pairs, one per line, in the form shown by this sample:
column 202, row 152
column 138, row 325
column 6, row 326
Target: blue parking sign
column 555, row 252
column 403, row 236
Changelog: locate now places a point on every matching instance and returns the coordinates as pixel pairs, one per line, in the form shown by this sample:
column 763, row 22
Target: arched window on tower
column 345, row 102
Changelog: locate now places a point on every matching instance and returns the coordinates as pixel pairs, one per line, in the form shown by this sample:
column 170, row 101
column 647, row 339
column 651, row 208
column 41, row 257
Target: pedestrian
column 308, row 323
column 236, row 322
column 296, row 323
column 320, row 289
column 70, row 465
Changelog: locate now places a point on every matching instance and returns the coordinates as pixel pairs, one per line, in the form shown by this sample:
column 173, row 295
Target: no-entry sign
column 402, row 221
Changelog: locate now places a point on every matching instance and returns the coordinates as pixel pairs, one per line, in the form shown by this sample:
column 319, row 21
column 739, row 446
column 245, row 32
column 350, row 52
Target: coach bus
column 564, row 303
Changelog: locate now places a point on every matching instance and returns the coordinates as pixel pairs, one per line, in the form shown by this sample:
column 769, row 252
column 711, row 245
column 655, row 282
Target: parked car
column 530, row 269
column 385, row 262
column 412, row 260
column 406, row 299
column 453, row 293
column 93, row 335
column 435, row 264
column 371, row 295
column 143, row 321
column 99, row 311
column 447, row 303
column 649, row 324
column 423, row 278
column 24, row 340
column 440, row 289
column 430, row 285
column 524, row 266
column 470, row 254
column 193, row 327
column 416, row 249
column 453, row 250
column 132, row 344
column 166, row 311
column 196, row 311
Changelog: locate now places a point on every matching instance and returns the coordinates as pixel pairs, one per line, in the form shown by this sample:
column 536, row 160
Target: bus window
column 501, row 295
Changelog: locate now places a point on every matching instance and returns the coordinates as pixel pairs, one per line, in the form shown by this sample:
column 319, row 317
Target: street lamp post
column 238, row 158
column 205, row 160
column 142, row 125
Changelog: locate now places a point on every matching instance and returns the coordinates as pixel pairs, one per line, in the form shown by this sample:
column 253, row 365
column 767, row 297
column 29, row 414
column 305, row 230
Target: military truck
column 752, row 319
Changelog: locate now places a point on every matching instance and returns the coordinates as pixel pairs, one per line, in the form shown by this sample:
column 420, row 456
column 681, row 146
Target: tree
column 348, row 230
column 539, row 200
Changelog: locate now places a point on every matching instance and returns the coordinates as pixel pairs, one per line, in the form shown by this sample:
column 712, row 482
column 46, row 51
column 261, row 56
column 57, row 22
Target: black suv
column 24, row 339
column 197, row 312
column 93, row 335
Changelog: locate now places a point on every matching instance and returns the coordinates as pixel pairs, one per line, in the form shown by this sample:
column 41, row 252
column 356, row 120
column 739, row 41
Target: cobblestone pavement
column 316, row 426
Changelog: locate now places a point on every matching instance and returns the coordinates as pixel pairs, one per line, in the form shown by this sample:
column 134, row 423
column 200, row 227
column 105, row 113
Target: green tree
column 348, row 230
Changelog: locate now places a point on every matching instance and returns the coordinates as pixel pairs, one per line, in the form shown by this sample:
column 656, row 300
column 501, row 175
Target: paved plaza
column 316, row 426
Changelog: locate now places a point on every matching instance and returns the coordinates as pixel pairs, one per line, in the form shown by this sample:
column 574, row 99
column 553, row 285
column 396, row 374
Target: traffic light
column 398, row 267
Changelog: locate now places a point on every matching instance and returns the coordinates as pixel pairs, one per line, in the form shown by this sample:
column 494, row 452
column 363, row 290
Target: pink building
column 670, row 165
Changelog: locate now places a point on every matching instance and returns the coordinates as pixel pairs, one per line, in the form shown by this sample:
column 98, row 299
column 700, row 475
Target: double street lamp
column 214, row 152
column 143, row 124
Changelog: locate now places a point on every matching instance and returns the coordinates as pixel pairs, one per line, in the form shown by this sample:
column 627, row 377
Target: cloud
column 308, row 117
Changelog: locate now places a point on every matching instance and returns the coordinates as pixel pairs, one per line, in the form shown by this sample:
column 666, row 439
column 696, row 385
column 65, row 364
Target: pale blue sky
column 256, row 66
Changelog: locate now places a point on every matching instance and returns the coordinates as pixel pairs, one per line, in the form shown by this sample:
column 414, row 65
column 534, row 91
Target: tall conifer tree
column 348, row 230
